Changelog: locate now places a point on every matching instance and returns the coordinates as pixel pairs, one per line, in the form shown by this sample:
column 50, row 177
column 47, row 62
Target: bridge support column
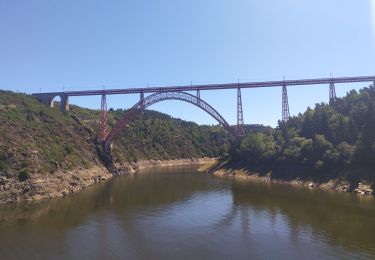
column 142, row 100
column 64, row 105
column 332, row 93
column 198, row 96
column 103, row 127
column 240, row 121
column 285, row 104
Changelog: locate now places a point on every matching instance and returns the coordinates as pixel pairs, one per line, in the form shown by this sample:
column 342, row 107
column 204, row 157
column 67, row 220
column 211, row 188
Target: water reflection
column 341, row 218
column 177, row 213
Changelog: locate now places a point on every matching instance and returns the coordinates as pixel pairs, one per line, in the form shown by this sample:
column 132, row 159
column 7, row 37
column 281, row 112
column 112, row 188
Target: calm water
column 179, row 214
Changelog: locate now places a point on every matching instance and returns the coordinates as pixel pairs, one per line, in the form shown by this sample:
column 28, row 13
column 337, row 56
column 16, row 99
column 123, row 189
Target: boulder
column 364, row 189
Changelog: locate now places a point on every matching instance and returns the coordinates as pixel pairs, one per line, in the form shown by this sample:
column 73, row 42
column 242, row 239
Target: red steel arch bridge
column 159, row 94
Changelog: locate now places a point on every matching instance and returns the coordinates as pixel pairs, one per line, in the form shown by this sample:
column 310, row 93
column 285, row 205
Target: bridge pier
column 332, row 93
column 285, row 104
column 240, row 121
column 142, row 100
column 103, row 127
column 47, row 99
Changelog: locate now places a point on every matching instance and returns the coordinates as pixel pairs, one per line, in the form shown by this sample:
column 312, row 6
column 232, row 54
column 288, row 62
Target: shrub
column 3, row 165
column 23, row 175
column 69, row 149
column 25, row 163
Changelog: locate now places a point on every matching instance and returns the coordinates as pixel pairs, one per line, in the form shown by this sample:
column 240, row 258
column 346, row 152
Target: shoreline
column 361, row 188
column 60, row 184
column 146, row 164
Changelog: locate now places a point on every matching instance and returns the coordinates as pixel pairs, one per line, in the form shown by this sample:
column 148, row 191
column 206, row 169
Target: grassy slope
column 159, row 136
column 37, row 139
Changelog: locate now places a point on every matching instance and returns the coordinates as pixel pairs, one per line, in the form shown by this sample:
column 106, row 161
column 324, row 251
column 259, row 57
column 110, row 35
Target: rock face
column 364, row 189
column 40, row 186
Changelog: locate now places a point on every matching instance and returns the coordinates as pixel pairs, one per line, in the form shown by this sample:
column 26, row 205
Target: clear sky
column 52, row 45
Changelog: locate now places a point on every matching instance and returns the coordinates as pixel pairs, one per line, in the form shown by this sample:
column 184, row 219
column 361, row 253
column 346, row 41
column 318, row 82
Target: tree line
column 331, row 140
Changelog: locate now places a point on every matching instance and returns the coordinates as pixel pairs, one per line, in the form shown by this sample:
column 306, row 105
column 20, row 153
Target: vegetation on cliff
column 37, row 139
column 330, row 141
column 159, row 136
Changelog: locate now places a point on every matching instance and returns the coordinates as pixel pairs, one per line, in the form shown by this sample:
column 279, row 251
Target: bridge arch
column 159, row 97
column 55, row 100
column 49, row 98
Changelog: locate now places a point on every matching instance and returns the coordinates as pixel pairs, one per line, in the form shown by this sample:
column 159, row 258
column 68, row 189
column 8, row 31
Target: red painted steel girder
column 137, row 109
column 224, row 86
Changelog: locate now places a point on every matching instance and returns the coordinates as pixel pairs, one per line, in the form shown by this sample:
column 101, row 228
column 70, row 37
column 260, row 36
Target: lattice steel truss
column 103, row 128
column 132, row 113
column 236, row 85
column 332, row 93
column 142, row 101
column 240, row 121
column 285, row 105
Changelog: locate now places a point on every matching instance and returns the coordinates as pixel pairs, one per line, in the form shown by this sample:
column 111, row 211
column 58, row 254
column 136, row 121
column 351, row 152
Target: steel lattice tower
column 240, row 121
column 332, row 92
column 103, row 128
column 142, row 99
column 285, row 108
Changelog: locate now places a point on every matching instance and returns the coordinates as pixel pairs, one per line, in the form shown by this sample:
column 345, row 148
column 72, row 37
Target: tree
column 258, row 147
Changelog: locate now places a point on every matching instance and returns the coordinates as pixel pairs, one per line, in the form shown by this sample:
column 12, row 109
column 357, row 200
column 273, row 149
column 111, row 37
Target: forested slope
column 334, row 140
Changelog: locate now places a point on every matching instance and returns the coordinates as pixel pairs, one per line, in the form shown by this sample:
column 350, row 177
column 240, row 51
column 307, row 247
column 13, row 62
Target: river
column 177, row 213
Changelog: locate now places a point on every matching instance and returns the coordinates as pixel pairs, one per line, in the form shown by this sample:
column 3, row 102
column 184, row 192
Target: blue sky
column 53, row 45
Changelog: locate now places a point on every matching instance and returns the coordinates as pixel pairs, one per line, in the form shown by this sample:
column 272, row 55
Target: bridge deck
column 265, row 84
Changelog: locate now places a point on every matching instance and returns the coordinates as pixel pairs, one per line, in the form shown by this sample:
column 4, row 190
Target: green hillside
column 37, row 139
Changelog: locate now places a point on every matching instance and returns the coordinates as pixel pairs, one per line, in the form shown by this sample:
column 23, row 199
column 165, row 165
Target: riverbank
column 43, row 185
column 341, row 185
column 135, row 167
column 64, row 183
